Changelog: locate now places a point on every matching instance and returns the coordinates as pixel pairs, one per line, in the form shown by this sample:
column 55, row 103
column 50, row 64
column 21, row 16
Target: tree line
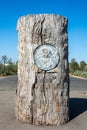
column 78, row 69
column 7, row 66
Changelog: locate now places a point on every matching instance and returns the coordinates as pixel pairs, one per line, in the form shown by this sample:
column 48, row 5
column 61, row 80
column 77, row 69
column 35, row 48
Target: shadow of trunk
column 77, row 106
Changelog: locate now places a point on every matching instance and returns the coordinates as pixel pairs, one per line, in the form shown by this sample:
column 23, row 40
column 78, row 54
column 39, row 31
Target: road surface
column 78, row 84
column 10, row 84
column 78, row 107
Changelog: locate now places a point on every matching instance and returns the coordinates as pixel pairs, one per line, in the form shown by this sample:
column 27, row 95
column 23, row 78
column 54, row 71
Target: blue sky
column 74, row 10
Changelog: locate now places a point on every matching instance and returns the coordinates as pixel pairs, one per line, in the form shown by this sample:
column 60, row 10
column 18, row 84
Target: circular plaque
column 46, row 57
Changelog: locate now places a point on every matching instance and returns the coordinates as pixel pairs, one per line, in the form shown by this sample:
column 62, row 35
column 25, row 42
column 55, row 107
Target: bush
column 77, row 73
column 84, row 74
column 85, row 68
column 10, row 69
column 73, row 66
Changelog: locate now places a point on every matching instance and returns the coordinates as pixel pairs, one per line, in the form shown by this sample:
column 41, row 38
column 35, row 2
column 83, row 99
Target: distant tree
column 7, row 66
column 17, row 62
column 82, row 65
column 4, row 60
column 85, row 69
column 73, row 66
column 10, row 61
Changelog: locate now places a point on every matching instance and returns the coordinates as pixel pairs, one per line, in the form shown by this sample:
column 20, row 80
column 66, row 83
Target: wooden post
column 43, row 78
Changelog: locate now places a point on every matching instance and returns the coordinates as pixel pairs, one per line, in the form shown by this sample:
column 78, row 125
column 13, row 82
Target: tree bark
column 42, row 96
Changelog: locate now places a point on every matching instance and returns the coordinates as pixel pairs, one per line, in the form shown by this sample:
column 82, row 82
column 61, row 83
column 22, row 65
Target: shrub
column 84, row 74
column 77, row 73
column 85, row 68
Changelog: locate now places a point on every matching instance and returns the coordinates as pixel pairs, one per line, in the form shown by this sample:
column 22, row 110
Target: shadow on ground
column 77, row 106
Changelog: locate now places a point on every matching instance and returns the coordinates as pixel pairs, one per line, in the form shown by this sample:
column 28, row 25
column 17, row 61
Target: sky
column 74, row 10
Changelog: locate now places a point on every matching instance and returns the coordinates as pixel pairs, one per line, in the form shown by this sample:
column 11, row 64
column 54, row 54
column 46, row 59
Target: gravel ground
column 78, row 110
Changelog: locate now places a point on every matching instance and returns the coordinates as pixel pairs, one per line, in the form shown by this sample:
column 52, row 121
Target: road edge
column 77, row 77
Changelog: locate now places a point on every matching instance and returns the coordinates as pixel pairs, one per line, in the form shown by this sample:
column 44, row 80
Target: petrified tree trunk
column 42, row 96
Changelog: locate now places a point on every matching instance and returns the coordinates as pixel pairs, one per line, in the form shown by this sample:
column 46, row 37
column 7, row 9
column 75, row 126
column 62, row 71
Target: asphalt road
column 78, row 84
column 10, row 84
column 78, row 107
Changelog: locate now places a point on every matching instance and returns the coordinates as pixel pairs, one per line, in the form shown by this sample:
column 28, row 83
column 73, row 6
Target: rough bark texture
column 42, row 97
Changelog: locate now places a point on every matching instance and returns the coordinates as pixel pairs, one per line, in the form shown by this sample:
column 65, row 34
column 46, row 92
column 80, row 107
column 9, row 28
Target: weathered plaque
column 46, row 57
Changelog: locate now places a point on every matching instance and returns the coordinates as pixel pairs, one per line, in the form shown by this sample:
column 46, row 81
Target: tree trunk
column 42, row 96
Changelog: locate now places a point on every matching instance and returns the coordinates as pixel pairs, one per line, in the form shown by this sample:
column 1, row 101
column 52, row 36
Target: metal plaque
column 46, row 57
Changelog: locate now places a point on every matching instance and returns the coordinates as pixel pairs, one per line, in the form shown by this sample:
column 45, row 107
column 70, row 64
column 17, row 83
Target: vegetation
column 7, row 67
column 78, row 69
